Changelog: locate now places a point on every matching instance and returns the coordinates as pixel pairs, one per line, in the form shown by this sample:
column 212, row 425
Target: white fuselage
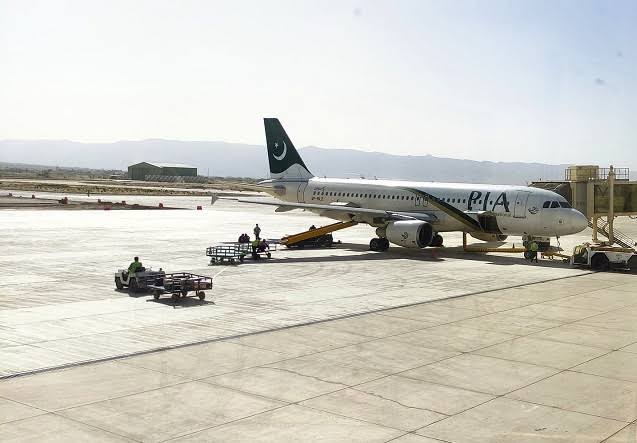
column 518, row 210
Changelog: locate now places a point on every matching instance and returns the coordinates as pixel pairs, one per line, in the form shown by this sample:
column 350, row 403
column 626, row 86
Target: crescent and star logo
column 283, row 154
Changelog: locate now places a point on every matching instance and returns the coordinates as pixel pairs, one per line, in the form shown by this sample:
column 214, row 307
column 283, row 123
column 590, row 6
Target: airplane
column 414, row 214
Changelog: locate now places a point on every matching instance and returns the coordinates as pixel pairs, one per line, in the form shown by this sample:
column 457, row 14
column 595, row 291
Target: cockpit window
column 555, row 205
column 547, row 204
column 565, row 205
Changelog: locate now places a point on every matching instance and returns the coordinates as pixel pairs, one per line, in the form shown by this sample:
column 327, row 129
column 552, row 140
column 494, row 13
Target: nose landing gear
column 379, row 244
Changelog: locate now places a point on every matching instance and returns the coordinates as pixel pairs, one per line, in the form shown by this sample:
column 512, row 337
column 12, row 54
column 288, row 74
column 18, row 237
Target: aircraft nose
column 579, row 222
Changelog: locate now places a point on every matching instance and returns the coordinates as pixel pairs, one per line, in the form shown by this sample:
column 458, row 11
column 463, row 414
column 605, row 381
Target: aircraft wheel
column 436, row 242
column 374, row 244
column 384, row 244
column 599, row 262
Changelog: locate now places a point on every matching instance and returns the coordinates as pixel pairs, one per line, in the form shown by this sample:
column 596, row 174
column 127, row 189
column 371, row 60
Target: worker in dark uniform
column 135, row 266
column 257, row 232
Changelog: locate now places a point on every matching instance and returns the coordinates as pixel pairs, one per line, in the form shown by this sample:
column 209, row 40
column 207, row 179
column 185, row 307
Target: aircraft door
column 417, row 200
column 300, row 193
column 519, row 207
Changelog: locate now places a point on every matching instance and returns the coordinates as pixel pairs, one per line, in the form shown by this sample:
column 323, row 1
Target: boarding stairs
column 312, row 233
column 619, row 237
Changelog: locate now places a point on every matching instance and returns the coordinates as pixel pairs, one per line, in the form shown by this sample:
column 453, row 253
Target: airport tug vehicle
column 137, row 281
column 599, row 257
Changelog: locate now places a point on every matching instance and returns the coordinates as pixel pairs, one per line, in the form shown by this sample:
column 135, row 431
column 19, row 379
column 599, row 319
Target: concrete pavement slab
column 83, row 384
column 548, row 311
column 326, row 370
column 603, row 300
column 421, row 394
column 11, row 410
column 587, row 335
column 508, row 324
column 170, row 412
column 53, row 428
column 432, row 314
column 508, row 421
column 626, row 435
column 375, row 325
column 484, row 303
column 542, row 352
column 478, row 373
column 585, row 393
column 279, row 384
column 385, row 355
column 302, row 340
column 373, row 408
column 204, row 360
column 453, row 338
column 414, row 438
column 295, row 423
column 630, row 348
column 618, row 365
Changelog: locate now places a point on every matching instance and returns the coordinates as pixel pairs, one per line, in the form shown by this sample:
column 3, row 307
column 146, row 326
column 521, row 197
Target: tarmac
column 339, row 344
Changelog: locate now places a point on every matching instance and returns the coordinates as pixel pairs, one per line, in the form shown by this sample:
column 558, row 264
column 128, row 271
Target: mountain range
column 244, row 160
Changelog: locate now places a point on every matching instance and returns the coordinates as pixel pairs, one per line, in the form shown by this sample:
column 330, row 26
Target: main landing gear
column 379, row 244
column 436, row 241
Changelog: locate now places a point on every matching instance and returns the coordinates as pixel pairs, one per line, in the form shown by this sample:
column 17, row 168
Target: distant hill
column 242, row 160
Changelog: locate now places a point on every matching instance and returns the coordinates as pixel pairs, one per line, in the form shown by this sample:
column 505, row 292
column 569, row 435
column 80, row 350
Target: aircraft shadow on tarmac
column 397, row 253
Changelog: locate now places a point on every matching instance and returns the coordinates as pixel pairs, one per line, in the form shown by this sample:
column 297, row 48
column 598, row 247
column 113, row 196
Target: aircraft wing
column 392, row 215
column 463, row 217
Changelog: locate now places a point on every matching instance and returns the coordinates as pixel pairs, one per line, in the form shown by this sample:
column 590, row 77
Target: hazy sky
column 550, row 81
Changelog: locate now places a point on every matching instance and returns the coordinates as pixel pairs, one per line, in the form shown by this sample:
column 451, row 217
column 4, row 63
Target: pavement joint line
column 185, row 434
column 110, row 358
column 414, row 433
column 96, row 427
column 625, row 427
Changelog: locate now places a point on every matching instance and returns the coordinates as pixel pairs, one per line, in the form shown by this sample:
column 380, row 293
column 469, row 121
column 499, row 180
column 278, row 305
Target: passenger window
column 453, row 200
column 480, row 202
column 464, row 200
column 565, row 205
column 555, row 205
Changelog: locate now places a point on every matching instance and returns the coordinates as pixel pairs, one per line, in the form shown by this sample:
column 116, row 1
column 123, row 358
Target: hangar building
column 145, row 170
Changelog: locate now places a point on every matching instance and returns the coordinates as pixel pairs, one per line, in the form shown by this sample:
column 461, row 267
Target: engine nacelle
column 488, row 237
column 410, row 233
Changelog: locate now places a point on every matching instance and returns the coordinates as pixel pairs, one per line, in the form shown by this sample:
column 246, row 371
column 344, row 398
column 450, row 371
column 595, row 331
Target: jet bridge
column 601, row 194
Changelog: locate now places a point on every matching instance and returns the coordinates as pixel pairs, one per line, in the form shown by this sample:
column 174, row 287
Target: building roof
column 167, row 165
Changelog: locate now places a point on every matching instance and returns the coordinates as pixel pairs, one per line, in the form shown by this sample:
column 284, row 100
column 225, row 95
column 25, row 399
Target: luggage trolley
column 179, row 284
column 232, row 252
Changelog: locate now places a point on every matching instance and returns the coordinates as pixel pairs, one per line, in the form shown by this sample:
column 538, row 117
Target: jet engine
column 409, row 233
column 488, row 237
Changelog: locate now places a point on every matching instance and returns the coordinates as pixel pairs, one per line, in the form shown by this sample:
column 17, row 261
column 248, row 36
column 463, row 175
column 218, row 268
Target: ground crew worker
column 135, row 265
column 312, row 228
column 534, row 248
column 257, row 231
